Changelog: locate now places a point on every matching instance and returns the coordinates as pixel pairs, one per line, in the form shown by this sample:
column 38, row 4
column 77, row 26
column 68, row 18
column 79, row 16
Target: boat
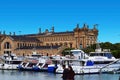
column 30, row 62
column 58, row 61
column 97, row 62
column 35, row 64
column 27, row 65
column 10, row 62
column 43, row 63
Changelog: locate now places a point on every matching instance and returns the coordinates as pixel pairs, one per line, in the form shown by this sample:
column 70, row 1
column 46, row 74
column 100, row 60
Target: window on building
column 56, row 44
column 7, row 52
column 51, row 44
column 7, row 45
column 20, row 45
column 81, row 46
column 47, row 44
column 61, row 44
column 70, row 45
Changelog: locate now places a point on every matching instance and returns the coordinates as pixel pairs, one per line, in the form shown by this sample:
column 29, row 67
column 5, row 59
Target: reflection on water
column 29, row 75
column 98, row 77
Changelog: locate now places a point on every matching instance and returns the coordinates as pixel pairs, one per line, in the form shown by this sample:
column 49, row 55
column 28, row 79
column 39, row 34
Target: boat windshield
column 36, row 55
column 12, row 62
column 108, row 55
column 96, row 54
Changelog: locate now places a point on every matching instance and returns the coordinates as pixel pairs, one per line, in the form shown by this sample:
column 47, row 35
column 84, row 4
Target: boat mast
column 98, row 48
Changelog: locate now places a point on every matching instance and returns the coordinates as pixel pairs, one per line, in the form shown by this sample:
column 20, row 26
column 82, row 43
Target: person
column 55, row 67
column 65, row 72
column 71, row 74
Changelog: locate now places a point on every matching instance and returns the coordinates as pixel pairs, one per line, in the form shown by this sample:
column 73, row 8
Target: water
column 29, row 75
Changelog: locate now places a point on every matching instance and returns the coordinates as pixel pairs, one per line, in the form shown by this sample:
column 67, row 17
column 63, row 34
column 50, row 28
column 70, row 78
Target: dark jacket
column 71, row 75
column 65, row 74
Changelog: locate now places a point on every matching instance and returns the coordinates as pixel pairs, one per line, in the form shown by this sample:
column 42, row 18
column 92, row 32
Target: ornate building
column 48, row 43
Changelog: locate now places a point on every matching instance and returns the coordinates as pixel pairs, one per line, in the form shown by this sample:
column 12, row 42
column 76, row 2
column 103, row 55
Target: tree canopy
column 115, row 49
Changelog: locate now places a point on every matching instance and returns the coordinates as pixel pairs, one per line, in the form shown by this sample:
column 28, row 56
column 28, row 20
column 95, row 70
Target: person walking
column 71, row 74
column 65, row 73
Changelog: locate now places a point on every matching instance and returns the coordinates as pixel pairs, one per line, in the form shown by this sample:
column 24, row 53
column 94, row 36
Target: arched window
column 81, row 46
column 47, row 44
column 18, row 45
column 7, row 45
column 51, row 44
column 56, row 44
column 61, row 44
column 70, row 45
column 25, row 44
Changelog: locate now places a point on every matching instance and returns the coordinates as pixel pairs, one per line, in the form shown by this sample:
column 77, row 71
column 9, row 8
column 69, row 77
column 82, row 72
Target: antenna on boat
column 97, row 45
column 98, row 48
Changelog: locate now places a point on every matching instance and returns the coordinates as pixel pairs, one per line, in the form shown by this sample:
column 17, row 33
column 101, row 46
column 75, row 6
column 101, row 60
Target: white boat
column 35, row 64
column 30, row 62
column 43, row 63
column 97, row 62
column 10, row 62
column 27, row 65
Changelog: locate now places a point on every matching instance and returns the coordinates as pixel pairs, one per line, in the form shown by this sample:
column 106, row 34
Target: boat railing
column 109, row 64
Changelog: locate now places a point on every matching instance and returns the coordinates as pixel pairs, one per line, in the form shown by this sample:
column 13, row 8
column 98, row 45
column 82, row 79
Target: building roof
column 2, row 37
column 24, row 38
column 51, row 33
column 67, row 32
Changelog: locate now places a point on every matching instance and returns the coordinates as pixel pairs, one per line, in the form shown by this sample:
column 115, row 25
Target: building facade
column 48, row 43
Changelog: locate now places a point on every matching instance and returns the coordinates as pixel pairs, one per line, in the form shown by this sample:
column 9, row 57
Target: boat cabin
column 106, row 54
column 79, row 54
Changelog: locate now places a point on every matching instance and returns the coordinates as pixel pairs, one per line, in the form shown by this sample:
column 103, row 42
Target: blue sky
column 28, row 16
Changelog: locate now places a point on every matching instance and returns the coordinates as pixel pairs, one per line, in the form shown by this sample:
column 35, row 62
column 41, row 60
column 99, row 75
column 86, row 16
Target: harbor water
column 29, row 75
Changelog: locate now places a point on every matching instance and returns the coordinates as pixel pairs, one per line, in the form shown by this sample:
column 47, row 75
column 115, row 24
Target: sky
column 27, row 16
